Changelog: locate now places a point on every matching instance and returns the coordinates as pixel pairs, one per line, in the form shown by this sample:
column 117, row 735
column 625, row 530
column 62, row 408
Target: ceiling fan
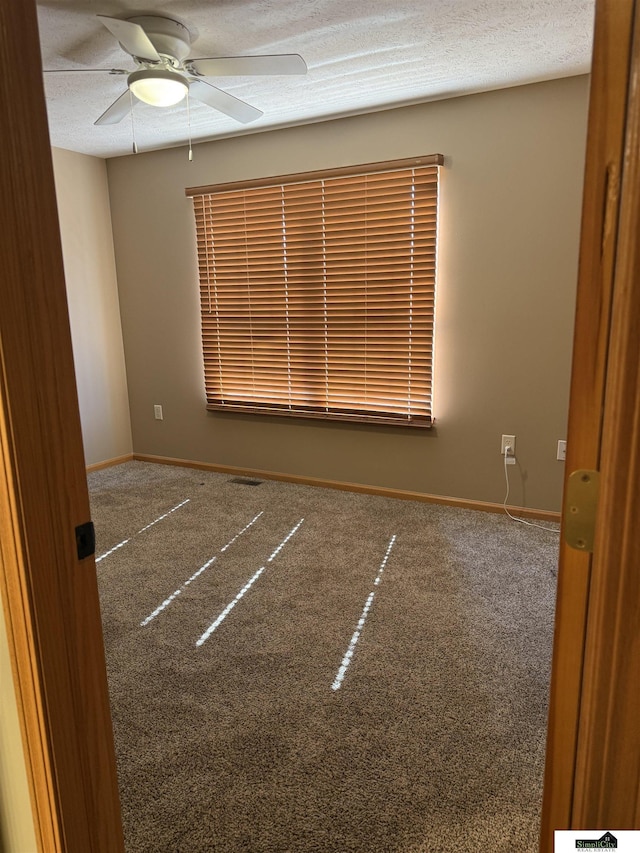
column 160, row 48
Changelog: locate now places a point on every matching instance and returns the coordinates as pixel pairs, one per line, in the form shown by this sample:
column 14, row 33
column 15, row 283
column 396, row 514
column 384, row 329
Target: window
column 317, row 292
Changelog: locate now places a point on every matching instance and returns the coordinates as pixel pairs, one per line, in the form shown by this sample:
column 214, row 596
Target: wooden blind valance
column 317, row 292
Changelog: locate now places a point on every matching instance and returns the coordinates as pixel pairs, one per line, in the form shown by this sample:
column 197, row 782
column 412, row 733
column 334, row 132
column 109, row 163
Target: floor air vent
column 246, row 481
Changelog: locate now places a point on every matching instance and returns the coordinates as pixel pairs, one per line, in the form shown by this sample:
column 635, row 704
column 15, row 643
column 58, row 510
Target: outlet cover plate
column 510, row 441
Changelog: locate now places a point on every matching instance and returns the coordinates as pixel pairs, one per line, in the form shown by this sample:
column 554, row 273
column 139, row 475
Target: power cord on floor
column 506, row 498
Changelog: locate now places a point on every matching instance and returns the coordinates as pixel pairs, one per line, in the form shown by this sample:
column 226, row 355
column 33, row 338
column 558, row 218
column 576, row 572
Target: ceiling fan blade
column 248, row 66
column 119, row 71
column 120, row 108
column 223, row 101
column 132, row 37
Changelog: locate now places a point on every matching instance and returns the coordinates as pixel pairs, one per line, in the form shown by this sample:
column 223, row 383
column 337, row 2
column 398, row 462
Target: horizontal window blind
column 317, row 292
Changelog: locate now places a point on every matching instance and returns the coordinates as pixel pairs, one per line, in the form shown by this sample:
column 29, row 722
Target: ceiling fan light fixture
column 159, row 88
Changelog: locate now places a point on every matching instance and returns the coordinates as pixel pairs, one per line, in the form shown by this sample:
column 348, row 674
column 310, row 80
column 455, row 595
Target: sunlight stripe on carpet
column 346, row 660
column 142, row 529
column 245, row 588
column 180, row 589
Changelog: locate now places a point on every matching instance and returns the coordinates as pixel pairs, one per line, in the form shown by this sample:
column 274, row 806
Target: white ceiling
column 362, row 55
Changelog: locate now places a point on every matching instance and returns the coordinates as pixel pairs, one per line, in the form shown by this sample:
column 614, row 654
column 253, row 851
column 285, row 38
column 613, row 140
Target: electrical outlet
column 157, row 413
column 508, row 441
column 561, row 455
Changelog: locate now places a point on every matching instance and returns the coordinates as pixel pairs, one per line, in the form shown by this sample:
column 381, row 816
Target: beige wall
column 511, row 196
column 94, row 312
column 16, row 820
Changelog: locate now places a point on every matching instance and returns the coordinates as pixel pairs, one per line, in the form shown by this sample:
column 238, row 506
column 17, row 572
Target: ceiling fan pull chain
column 133, row 124
column 189, row 127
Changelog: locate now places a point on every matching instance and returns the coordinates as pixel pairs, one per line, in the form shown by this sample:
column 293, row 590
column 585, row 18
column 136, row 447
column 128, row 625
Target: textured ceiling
column 362, row 55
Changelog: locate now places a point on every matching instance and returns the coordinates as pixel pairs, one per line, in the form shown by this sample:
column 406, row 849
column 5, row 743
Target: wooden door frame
column 599, row 231
column 607, row 789
column 593, row 741
column 49, row 594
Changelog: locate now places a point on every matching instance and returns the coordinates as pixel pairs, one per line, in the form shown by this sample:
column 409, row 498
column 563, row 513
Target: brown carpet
column 434, row 739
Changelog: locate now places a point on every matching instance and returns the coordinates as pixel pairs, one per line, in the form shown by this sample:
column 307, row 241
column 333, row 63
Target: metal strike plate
column 580, row 506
